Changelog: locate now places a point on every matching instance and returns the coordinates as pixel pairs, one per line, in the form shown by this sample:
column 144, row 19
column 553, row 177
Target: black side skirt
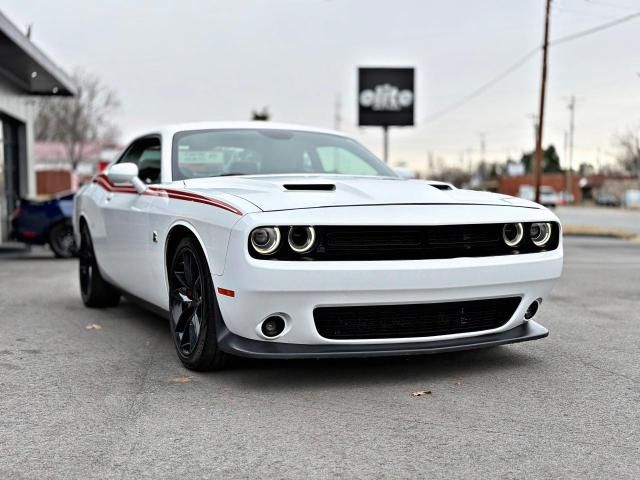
column 244, row 347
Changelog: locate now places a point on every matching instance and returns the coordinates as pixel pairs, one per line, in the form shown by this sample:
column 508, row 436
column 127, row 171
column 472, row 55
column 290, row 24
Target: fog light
column 273, row 326
column 532, row 310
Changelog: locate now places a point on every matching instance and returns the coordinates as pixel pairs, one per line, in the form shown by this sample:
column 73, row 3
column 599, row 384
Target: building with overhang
column 25, row 72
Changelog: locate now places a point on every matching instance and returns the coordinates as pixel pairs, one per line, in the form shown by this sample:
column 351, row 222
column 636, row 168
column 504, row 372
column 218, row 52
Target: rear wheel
column 194, row 310
column 96, row 292
column 61, row 240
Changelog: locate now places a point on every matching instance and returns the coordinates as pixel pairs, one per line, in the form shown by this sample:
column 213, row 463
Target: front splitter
column 244, row 347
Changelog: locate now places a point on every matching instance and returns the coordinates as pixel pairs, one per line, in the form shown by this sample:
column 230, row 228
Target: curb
column 587, row 231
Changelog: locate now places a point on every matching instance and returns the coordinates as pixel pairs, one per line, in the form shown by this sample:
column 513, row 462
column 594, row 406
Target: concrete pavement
column 87, row 403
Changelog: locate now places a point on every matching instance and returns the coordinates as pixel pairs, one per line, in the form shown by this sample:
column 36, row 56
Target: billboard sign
column 385, row 96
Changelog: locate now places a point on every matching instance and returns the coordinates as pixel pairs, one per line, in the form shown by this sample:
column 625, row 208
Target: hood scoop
column 441, row 186
column 310, row 187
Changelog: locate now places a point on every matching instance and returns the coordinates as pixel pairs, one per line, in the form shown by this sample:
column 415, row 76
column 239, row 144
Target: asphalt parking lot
column 104, row 403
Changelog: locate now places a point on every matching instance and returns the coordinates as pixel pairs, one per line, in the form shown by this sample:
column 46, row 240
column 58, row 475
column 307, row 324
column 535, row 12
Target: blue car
column 46, row 222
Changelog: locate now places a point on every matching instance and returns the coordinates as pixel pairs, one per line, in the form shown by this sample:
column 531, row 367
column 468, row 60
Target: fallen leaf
column 421, row 393
column 182, row 379
column 93, row 326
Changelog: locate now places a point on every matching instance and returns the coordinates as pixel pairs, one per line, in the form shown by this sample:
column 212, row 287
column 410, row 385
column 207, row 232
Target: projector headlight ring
column 302, row 239
column 265, row 240
column 512, row 234
column 540, row 233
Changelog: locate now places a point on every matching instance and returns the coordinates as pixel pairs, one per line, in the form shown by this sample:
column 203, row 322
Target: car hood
column 289, row 192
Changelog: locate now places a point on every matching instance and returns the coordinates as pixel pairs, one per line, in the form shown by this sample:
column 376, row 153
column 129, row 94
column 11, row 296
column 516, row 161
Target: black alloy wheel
column 95, row 291
column 85, row 257
column 194, row 309
column 186, row 301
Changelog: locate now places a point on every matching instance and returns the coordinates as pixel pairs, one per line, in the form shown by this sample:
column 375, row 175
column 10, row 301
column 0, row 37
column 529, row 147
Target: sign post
column 386, row 97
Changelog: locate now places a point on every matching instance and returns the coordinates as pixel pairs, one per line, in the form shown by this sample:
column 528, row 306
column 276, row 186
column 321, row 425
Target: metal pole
column 543, row 88
column 572, row 108
column 565, row 156
column 337, row 118
column 385, row 143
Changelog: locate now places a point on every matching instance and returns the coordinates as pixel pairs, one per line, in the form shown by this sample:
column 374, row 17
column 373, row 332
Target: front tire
column 194, row 311
column 96, row 292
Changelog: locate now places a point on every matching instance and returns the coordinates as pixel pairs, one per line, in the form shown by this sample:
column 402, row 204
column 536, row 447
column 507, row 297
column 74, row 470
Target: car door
column 126, row 221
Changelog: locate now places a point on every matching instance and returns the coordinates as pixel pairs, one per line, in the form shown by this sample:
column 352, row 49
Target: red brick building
column 557, row 181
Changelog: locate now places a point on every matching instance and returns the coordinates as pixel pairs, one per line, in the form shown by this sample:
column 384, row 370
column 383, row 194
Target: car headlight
column 540, row 233
column 512, row 234
column 302, row 239
column 265, row 240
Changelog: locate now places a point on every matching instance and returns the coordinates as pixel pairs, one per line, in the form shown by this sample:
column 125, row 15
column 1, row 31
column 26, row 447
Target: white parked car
column 548, row 196
column 274, row 241
column 404, row 172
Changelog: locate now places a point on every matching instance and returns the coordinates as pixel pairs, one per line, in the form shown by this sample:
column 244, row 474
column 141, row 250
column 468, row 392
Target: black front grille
column 472, row 235
column 336, row 240
column 414, row 320
column 364, row 242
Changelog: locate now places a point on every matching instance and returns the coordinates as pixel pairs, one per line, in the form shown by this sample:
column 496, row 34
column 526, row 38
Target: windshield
column 212, row 153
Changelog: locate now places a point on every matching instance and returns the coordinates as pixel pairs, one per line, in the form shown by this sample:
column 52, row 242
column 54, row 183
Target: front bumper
column 245, row 347
column 293, row 289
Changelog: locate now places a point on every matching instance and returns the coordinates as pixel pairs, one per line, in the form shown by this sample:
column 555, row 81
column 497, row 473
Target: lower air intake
column 414, row 320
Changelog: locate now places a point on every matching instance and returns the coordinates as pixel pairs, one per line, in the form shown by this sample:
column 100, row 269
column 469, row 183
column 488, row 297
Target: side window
column 145, row 153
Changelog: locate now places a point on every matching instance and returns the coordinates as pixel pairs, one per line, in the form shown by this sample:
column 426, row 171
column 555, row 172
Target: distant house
column 54, row 170
column 25, row 72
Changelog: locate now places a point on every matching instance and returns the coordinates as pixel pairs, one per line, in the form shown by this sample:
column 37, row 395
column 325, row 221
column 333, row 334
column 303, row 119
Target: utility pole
column 543, row 90
column 572, row 109
column 385, row 143
column 429, row 166
column 337, row 118
column 565, row 156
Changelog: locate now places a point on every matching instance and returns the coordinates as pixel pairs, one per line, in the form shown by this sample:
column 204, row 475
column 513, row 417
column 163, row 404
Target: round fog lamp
column 265, row 240
column 273, row 326
column 532, row 310
column 540, row 233
column 512, row 234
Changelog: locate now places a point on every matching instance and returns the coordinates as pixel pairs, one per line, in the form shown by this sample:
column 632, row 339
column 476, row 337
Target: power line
column 598, row 28
column 478, row 91
column 522, row 61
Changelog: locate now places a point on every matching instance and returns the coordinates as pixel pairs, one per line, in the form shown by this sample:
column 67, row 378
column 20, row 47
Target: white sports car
column 275, row 241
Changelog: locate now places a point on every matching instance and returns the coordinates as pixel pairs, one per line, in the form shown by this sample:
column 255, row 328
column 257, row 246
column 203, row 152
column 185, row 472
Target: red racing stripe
column 103, row 181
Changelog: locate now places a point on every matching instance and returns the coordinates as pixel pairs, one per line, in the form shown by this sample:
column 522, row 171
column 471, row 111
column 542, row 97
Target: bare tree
column 79, row 120
column 454, row 175
column 628, row 145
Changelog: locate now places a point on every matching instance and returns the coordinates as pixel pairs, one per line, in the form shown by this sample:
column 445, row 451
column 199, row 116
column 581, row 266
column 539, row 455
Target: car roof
column 170, row 130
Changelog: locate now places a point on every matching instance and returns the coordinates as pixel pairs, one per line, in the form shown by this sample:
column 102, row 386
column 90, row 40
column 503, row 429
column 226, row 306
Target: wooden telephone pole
column 543, row 90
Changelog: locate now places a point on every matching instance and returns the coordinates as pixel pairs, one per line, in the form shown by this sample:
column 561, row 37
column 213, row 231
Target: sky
column 194, row 60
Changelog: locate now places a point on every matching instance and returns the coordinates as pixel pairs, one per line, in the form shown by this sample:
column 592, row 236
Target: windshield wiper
column 231, row 174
